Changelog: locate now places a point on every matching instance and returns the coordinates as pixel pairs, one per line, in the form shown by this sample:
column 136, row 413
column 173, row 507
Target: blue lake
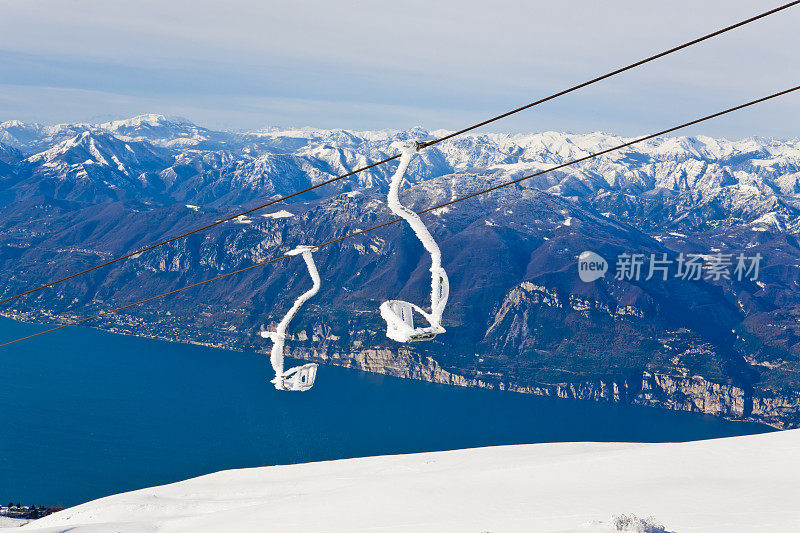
column 85, row 414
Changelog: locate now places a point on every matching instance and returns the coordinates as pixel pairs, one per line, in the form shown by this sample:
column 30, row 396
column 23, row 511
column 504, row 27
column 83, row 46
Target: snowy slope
column 6, row 522
column 726, row 485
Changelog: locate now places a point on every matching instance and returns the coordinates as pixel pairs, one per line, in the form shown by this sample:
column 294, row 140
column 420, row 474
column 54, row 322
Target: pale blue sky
column 371, row 64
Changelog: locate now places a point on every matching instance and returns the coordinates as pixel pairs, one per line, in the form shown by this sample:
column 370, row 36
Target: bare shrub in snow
column 631, row 522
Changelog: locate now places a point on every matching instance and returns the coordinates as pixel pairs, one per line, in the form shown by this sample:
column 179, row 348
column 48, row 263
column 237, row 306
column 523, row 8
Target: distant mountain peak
column 149, row 119
column 13, row 124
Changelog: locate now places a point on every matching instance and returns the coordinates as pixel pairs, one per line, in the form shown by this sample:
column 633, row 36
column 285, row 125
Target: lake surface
column 84, row 414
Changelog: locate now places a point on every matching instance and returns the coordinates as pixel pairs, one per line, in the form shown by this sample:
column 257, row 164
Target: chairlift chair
column 298, row 378
column 398, row 314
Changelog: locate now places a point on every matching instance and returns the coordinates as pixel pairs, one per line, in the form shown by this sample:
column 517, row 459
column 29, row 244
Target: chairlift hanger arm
column 299, row 378
column 397, row 313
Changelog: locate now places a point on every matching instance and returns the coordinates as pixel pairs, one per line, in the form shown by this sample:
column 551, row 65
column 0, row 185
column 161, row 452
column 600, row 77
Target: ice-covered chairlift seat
column 399, row 315
column 298, row 378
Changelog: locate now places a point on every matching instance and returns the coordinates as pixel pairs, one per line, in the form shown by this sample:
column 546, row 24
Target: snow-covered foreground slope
column 724, row 485
column 6, row 522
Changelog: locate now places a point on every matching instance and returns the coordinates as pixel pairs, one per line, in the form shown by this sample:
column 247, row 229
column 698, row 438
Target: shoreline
column 402, row 364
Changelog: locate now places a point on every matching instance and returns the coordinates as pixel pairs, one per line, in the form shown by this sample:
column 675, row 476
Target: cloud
column 366, row 64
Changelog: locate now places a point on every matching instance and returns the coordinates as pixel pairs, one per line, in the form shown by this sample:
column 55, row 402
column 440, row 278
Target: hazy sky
column 373, row 64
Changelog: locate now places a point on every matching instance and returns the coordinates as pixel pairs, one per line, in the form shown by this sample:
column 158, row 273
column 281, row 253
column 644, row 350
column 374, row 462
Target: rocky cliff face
column 680, row 393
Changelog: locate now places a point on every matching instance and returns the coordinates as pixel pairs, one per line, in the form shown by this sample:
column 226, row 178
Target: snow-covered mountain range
column 150, row 157
column 519, row 316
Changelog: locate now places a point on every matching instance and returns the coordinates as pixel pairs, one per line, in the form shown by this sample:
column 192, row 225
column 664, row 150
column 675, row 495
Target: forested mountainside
column 520, row 317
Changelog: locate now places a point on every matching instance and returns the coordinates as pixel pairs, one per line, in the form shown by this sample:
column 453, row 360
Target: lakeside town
column 27, row 512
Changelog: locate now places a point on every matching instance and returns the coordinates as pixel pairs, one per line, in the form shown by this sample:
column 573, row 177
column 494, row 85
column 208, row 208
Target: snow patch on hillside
column 278, row 214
